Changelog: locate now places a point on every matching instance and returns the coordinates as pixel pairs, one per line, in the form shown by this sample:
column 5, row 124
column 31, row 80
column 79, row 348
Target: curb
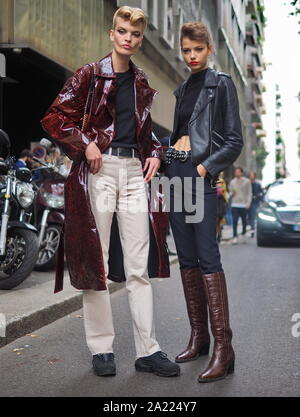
column 23, row 325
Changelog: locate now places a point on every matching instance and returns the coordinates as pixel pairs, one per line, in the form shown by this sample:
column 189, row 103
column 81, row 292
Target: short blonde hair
column 134, row 15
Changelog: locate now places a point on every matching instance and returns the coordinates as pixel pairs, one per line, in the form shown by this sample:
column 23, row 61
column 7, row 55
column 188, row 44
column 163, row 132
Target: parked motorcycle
column 18, row 238
column 48, row 214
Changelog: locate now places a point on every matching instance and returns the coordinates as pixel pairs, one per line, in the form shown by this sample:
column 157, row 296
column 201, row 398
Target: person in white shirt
column 241, row 192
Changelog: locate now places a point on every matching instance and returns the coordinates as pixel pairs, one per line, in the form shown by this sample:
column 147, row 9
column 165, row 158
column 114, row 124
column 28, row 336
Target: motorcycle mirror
column 4, row 144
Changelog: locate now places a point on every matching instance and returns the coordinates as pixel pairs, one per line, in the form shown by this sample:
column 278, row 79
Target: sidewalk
column 33, row 304
column 227, row 234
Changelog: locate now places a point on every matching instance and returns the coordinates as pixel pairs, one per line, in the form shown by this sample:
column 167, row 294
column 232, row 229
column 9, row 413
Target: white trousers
column 119, row 187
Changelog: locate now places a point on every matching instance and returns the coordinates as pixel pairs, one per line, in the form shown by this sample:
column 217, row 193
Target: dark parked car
column 278, row 218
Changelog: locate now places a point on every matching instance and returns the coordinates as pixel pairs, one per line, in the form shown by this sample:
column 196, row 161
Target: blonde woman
column 114, row 156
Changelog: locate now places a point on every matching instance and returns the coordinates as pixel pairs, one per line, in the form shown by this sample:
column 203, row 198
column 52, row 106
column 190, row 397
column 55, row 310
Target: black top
column 188, row 102
column 125, row 136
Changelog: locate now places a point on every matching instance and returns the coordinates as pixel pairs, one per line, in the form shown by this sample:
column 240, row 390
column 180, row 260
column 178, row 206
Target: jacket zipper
column 210, row 131
column 219, row 136
column 219, row 146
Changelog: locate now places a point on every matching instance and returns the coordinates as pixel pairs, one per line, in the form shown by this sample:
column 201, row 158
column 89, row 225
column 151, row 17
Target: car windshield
column 287, row 193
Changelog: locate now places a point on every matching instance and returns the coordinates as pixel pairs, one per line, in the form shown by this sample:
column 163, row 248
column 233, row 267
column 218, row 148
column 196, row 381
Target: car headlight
column 54, row 201
column 25, row 194
column 267, row 217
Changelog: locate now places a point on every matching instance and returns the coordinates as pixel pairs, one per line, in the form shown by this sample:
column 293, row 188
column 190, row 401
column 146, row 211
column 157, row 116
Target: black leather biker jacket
column 215, row 126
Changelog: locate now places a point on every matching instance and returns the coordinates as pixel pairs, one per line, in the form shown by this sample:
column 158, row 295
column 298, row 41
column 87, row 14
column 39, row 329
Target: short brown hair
column 134, row 15
column 196, row 31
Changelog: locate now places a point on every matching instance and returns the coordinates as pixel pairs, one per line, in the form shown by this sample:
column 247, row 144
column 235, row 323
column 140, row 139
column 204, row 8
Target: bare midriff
column 183, row 144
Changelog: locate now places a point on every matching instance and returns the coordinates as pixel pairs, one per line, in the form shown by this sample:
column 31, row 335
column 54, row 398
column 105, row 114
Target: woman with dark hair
column 206, row 139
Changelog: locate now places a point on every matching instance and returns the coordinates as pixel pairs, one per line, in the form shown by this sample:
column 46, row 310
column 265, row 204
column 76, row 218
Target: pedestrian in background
column 206, row 108
column 257, row 194
column 241, row 196
column 25, row 160
column 115, row 156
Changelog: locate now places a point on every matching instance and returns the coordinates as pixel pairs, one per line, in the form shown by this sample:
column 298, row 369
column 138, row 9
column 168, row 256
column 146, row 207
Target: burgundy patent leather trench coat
column 80, row 240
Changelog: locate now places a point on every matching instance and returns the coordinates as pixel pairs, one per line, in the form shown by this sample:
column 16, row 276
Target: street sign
column 2, row 66
column 39, row 152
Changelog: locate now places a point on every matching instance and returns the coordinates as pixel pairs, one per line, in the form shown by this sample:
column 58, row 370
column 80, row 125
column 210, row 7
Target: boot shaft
column 217, row 299
column 195, row 298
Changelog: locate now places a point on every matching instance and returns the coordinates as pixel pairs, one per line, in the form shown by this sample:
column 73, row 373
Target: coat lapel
column 105, row 70
column 144, row 96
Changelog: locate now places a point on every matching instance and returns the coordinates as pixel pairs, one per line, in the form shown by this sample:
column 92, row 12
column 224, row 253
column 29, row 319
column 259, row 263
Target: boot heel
column 205, row 349
column 231, row 368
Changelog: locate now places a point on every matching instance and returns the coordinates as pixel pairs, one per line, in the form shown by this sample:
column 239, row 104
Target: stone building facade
column 44, row 41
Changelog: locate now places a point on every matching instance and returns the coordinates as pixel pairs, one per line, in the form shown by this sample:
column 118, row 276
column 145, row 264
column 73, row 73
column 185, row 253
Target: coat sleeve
column 63, row 120
column 232, row 131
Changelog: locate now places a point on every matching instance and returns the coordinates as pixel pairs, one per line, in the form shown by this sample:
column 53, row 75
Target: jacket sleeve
column 63, row 120
column 232, row 131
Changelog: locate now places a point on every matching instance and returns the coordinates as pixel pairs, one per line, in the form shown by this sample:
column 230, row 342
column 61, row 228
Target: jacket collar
column 210, row 81
column 211, row 78
column 105, row 69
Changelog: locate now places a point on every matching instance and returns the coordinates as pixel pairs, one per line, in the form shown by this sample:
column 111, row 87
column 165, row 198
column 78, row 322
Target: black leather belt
column 127, row 152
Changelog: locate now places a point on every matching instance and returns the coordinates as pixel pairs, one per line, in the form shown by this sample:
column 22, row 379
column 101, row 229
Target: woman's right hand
column 94, row 158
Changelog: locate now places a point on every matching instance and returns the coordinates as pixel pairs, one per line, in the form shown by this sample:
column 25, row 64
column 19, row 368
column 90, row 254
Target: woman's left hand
column 202, row 171
column 152, row 165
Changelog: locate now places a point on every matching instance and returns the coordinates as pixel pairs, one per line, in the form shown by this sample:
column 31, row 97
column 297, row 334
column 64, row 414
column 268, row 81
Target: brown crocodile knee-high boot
column 197, row 311
column 222, row 360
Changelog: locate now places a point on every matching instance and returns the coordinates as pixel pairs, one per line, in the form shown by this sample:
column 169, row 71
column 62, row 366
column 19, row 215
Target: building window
column 144, row 5
column 178, row 22
column 167, row 23
column 170, row 23
column 153, row 13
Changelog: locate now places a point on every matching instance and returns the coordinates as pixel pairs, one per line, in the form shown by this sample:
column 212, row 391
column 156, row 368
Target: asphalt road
column 264, row 288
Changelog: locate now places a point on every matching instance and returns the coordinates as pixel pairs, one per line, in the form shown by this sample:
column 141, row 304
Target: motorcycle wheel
column 48, row 249
column 21, row 255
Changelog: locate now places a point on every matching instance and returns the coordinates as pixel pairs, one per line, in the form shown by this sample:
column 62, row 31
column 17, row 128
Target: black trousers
column 236, row 214
column 196, row 243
